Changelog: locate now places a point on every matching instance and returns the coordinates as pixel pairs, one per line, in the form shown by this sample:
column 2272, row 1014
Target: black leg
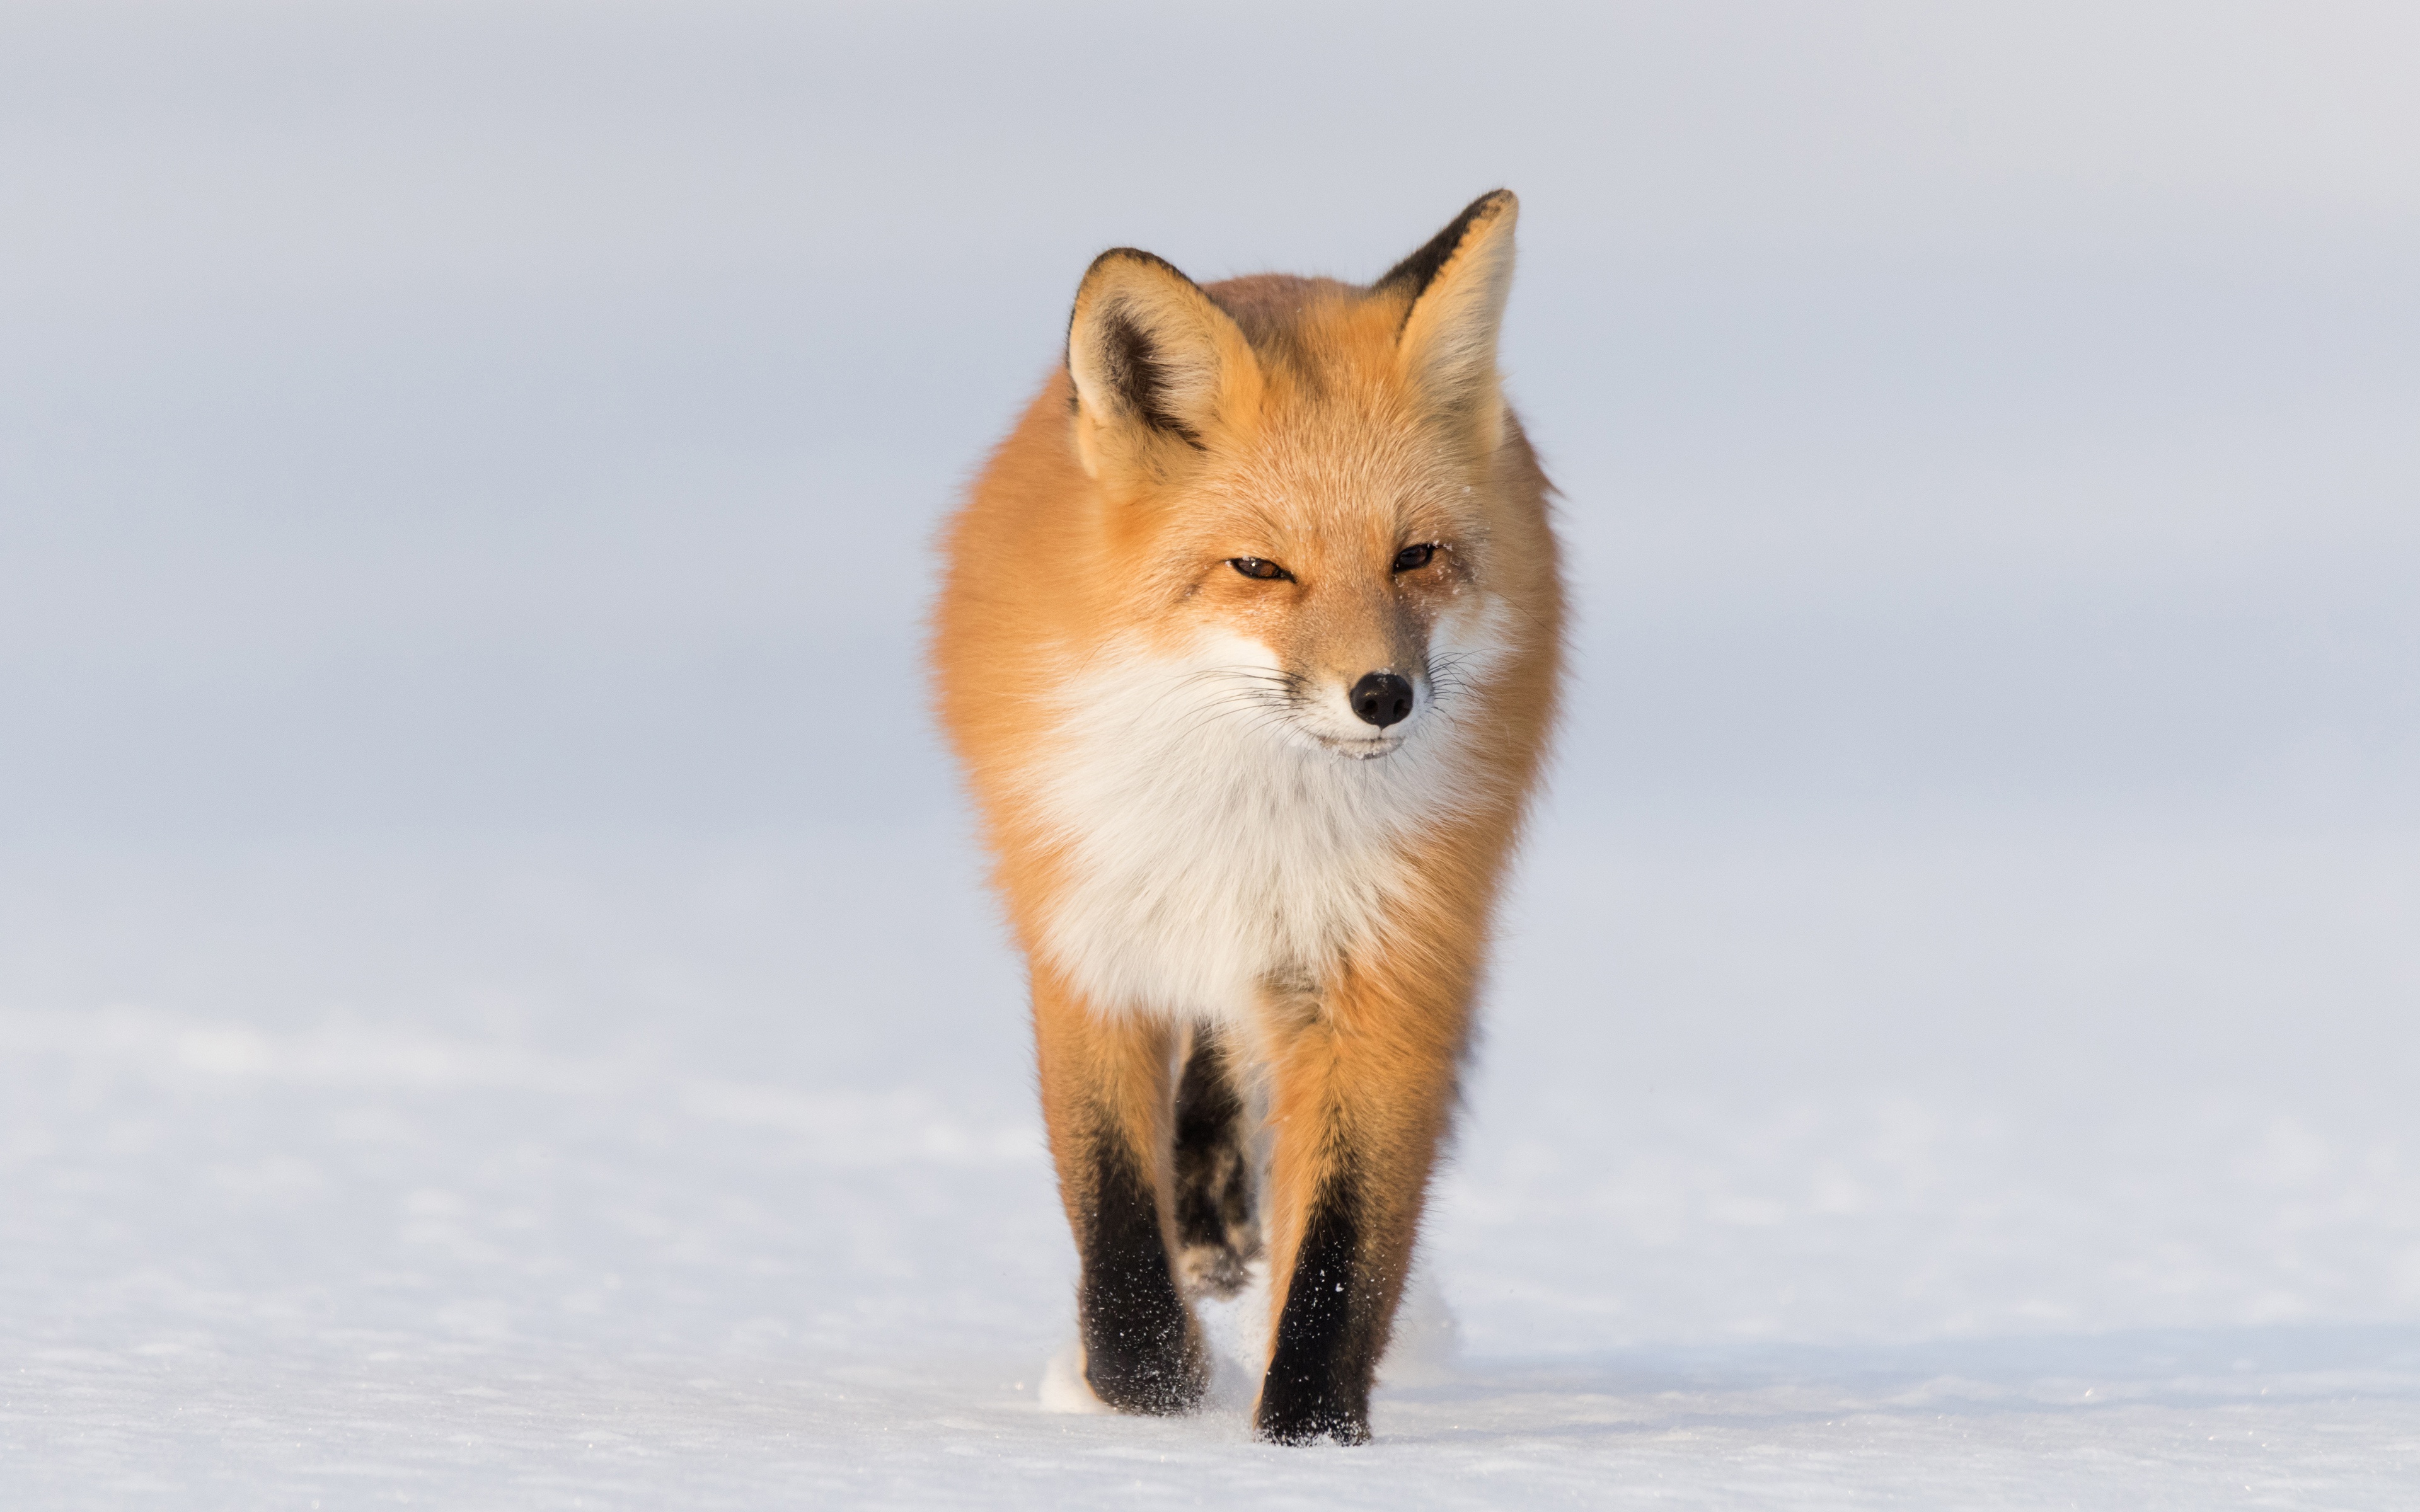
column 1141, row 1352
column 1218, row 1229
column 1328, row 1333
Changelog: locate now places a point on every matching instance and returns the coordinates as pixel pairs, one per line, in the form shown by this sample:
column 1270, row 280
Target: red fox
column 1249, row 642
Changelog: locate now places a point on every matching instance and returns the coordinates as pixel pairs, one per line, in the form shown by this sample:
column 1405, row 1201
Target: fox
column 1249, row 644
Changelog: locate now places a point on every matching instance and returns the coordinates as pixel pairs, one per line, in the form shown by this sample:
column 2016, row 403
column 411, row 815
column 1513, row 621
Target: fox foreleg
column 1363, row 1087
column 1105, row 1098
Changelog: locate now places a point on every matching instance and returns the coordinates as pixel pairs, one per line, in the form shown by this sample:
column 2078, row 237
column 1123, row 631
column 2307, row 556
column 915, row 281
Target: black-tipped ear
column 1156, row 365
column 1453, row 290
column 1412, row 277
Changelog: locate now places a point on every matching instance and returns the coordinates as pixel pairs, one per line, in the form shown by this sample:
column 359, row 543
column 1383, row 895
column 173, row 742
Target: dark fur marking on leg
column 1318, row 1385
column 1140, row 1354
column 1217, row 1231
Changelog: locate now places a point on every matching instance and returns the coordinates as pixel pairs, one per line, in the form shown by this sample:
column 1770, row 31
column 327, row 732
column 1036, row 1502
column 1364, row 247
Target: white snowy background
column 496, row 1006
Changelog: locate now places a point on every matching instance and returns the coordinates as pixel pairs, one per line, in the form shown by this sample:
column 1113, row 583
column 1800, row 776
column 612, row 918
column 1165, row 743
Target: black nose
column 1382, row 698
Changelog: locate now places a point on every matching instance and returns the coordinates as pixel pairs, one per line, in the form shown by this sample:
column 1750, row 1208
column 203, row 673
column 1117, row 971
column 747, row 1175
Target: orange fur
column 1104, row 666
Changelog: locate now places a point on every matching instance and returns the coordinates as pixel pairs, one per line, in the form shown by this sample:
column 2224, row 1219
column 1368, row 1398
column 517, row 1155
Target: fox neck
column 1214, row 850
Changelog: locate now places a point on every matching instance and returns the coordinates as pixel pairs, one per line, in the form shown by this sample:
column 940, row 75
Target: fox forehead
column 1333, row 451
column 1349, row 494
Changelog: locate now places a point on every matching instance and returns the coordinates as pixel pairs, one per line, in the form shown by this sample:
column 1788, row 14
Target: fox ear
column 1455, row 290
column 1158, row 369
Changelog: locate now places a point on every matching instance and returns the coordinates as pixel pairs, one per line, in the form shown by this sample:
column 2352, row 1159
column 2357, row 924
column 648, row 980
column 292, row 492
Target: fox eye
column 1261, row 567
column 1413, row 558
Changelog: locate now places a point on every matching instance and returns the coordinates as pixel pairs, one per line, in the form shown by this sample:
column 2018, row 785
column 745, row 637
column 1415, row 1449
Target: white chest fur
column 1214, row 848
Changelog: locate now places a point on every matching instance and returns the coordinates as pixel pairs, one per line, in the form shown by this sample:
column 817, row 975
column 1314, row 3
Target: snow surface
column 593, row 1254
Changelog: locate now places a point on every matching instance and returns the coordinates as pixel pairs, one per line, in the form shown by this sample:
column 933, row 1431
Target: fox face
column 1297, row 482
column 1333, row 599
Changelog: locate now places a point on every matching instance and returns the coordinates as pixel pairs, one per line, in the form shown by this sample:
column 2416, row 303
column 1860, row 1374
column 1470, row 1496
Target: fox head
column 1299, row 482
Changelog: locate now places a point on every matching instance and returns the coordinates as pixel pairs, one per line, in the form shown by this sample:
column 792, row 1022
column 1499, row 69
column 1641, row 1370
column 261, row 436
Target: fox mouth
column 1360, row 751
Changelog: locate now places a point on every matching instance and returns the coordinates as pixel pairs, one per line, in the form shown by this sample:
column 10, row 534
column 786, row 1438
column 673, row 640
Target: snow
column 544, row 1251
